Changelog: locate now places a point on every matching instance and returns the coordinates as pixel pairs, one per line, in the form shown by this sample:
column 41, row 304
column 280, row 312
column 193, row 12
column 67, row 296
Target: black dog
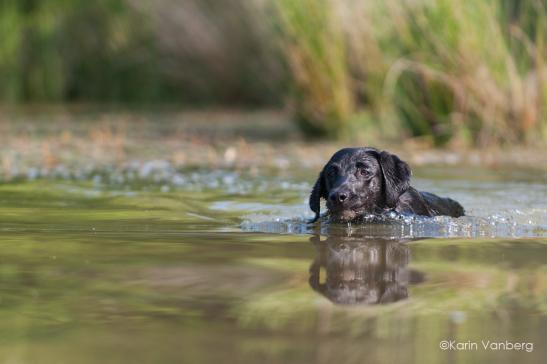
column 359, row 181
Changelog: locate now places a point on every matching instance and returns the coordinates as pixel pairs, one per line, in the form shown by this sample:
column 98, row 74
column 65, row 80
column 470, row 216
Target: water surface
column 154, row 264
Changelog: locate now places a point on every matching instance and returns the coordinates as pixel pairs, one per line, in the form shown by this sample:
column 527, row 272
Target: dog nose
column 338, row 196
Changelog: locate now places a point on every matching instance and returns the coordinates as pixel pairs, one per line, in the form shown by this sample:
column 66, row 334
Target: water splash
column 401, row 227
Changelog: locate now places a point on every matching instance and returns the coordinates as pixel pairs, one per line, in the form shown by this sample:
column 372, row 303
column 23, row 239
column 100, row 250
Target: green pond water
column 156, row 265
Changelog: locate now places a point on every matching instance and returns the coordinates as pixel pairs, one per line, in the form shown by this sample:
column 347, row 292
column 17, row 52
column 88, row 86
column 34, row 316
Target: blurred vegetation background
column 459, row 72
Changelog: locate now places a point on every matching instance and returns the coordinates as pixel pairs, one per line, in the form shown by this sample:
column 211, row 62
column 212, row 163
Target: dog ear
column 396, row 177
column 317, row 192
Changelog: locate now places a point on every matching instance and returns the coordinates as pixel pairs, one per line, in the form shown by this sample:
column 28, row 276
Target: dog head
column 358, row 181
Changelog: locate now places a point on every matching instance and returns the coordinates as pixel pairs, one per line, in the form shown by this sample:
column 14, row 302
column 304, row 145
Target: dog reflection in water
column 362, row 271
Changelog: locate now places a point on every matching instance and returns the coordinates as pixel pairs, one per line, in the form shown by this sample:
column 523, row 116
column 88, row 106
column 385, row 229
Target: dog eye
column 362, row 169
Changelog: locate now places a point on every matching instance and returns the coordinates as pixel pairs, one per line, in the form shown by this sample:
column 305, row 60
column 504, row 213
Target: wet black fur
column 358, row 181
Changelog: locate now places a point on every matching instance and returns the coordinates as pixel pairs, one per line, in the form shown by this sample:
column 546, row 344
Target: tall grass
column 473, row 68
column 448, row 71
column 468, row 71
column 194, row 51
column 316, row 52
column 215, row 51
column 59, row 51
